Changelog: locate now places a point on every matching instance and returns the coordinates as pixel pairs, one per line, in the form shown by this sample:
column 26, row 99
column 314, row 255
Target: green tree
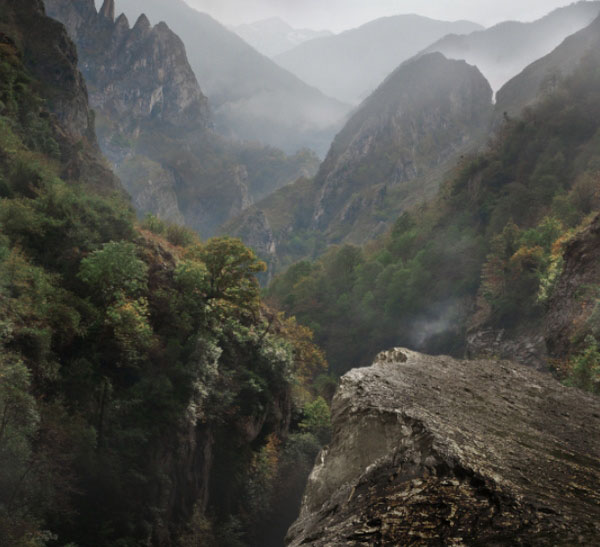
column 232, row 269
column 115, row 270
column 317, row 419
column 585, row 367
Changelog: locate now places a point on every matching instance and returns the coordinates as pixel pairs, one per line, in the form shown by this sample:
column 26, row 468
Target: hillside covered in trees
column 146, row 393
column 487, row 253
column 152, row 394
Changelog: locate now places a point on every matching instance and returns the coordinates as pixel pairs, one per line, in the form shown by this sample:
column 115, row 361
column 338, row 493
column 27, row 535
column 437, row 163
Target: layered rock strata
column 436, row 451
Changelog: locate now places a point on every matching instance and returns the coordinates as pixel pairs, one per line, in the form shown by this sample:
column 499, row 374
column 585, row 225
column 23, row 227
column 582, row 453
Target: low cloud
column 338, row 15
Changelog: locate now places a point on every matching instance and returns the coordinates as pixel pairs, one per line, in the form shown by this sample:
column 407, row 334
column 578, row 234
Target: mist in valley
column 299, row 273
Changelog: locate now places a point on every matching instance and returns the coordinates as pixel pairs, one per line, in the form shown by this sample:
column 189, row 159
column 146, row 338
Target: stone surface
column 527, row 347
column 436, row 451
column 133, row 74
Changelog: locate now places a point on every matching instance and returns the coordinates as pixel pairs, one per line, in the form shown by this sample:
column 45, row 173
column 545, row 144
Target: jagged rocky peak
column 437, row 451
column 108, row 10
column 142, row 24
column 134, row 75
column 122, row 22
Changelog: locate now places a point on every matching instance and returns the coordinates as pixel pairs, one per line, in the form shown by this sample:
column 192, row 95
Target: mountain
column 542, row 76
column 154, row 123
column 443, row 450
column 252, row 98
column 492, row 264
column 133, row 73
column 504, row 50
column 426, row 113
column 350, row 65
column 53, row 60
column 274, row 36
column 391, row 155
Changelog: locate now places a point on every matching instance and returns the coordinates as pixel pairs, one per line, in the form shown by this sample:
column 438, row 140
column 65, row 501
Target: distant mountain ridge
column 252, row 97
column 391, row 155
column 542, row 76
column 274, row 36
column 350, row 65
column 504, row 50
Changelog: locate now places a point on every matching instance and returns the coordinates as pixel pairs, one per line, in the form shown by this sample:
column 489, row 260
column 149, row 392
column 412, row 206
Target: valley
column 263, row 284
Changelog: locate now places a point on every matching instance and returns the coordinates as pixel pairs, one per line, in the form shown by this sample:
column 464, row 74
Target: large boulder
column 436, row 451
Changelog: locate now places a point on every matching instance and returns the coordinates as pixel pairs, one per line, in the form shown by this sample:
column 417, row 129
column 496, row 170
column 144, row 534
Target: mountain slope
column 352, row 64
column 141, row 379
column 542, row 76
column 52, row 58
column 274, row 36
column 479, row 268
column 391, row 155
column 154, row 123
column 504, row 50
column 252, row 97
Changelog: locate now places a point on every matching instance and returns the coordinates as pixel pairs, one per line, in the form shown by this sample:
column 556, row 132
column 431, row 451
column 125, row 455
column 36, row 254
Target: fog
column 338, row 15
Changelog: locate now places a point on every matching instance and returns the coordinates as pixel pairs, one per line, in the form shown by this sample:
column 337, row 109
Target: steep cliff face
column 252, row 97
column 431, row 450
column 428, row 111
column 154, row 124
column 51, row 58
column 134, row 74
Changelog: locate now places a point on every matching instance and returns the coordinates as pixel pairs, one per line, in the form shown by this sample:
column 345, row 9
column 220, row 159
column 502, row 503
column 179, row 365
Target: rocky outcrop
column 527, row 347
column 252, row 98
column 51, row 58
column 436, row 451
column 576, row 296
column 152, row 188
column 134, row 74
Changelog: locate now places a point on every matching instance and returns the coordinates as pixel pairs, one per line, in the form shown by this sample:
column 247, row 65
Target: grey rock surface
column 436, row 451
column 133, row 74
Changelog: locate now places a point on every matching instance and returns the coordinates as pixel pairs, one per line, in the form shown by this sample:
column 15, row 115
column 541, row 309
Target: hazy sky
column 338, row 15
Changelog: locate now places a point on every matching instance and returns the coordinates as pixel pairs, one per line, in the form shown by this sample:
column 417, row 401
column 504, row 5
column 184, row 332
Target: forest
column 127, row 347
column 492, row 240
column 178, row 366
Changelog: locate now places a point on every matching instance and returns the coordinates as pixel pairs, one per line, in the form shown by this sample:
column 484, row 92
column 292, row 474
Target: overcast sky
column 338, row 15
